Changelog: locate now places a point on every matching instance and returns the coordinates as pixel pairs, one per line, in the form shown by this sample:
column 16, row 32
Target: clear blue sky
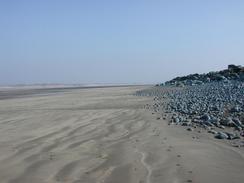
column 115, row 41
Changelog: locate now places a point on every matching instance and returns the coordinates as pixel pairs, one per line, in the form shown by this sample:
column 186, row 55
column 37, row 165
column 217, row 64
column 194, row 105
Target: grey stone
column 221, row 135
column 231, row 135
column 189, row 129
column 186, row 124
column 227, row 122
column 235, row 109
column 176, row 120
column 213, row 132
column 237, row 122
column 206, row 117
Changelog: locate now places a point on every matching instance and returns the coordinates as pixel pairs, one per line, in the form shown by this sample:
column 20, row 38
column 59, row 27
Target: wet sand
column 104, row 135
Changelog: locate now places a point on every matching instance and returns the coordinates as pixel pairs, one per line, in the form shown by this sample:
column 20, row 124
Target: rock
column 237, row 122
column 176, row 120
column 189, row 129
column 238, row 128
column 206, row 127
column 242, row 134
column 180, row 84
column 234, row 68
column 207, row 79
column 186, row 124
column 235, row 109
column 241, row 76
column 208, row 123
column 231, row 136
column 227, row 122
column 236, row 137
column 206, row 117
column 221, row 135
column 221, row 126
column 212, row 132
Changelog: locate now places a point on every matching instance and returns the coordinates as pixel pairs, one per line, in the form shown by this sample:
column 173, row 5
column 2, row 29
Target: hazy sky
column 117, row 41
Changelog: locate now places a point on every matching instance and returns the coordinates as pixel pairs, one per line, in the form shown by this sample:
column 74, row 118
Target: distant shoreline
column 61, row 86
column 28, row 91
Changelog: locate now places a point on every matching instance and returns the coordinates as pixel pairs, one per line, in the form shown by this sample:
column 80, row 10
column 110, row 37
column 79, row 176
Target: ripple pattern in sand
column 65, row 146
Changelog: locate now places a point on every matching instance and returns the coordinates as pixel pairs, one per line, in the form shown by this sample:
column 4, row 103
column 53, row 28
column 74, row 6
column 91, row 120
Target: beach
column 104, row 135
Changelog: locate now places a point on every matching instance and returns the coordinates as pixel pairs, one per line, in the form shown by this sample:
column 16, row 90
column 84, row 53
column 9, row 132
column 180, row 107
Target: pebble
column 221, row 135
column 189, row 129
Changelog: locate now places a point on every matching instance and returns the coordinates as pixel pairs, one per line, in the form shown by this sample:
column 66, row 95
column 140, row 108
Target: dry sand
column 105, row 135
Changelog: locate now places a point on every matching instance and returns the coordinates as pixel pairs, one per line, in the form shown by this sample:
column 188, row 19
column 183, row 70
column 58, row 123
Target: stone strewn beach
column 213, row 101
column 108, row 135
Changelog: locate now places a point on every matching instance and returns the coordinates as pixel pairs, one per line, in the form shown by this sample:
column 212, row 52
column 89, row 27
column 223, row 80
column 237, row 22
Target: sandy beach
column 105, row 135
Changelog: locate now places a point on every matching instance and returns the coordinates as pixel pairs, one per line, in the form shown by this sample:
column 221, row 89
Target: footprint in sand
column 178, row 155
column 51, row 156
column 177, row 164
column 156, row 134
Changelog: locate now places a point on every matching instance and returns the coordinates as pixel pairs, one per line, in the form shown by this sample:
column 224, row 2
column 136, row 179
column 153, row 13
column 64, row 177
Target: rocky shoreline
column 213, row 101
column 233, row 72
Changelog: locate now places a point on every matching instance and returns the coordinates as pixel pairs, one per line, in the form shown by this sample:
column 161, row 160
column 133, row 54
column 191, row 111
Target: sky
column 114, row 41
